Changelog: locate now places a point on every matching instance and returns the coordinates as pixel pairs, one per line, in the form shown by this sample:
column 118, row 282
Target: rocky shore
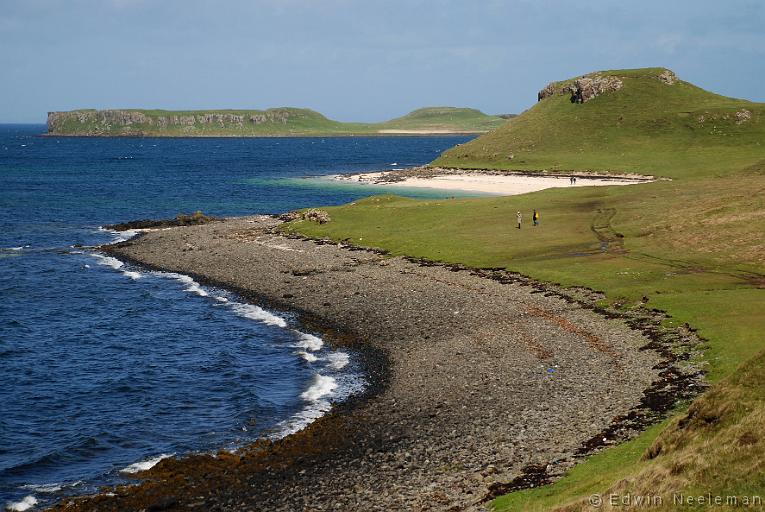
column 479, row 379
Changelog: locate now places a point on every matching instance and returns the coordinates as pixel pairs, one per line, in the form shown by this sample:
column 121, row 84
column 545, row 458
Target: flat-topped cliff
column 285, row 121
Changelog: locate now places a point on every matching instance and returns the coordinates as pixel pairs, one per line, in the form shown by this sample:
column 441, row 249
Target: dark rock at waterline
column 181, row 219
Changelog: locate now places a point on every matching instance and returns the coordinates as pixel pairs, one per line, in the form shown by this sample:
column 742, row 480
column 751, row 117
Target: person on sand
column 520, row 219
column 535, row 218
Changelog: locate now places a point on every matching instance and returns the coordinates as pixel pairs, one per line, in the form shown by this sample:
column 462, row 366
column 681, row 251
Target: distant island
column 274, row 122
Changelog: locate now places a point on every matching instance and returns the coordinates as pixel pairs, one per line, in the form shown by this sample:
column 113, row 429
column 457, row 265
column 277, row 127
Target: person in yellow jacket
column 535, row 218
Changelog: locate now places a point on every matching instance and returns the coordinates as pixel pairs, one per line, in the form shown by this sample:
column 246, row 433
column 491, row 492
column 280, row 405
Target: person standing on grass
column 520, row 219
column 535, row 218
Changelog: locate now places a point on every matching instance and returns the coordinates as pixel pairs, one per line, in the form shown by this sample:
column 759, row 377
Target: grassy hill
column 445, row 119
column 692, row 246
column 647, row 126
column 259, row 123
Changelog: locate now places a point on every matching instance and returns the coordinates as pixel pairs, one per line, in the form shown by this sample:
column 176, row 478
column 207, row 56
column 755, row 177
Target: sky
column 357, row 60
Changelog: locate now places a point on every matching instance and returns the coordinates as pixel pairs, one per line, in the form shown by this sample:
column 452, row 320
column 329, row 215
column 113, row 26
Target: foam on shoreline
column 257, row 313
column 190, row 285
column 25, row 504
column 331, row 383
column 338, row 360
column 145, row 464
column 309, row 341
column 322, row 386
column 119, row 236
column 308, row 356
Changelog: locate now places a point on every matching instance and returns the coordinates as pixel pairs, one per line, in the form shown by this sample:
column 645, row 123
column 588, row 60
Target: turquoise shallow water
column 107, row 367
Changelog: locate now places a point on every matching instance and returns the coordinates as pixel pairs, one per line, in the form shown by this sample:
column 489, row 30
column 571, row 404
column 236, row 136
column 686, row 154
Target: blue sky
column 357, row 60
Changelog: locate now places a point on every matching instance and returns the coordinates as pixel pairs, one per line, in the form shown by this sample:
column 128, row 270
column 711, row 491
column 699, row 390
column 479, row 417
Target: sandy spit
column 426, row 131
column 472, row 379
column 504, row 183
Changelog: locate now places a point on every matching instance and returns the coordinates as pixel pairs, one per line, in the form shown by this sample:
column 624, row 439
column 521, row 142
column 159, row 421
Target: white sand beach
column 426, row 131
column 486, row 182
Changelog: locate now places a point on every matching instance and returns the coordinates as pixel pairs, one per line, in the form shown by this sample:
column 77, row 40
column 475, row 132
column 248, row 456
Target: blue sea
column 105, row 368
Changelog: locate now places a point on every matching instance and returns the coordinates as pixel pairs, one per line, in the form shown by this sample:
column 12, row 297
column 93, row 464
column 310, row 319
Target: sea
column 107, row 367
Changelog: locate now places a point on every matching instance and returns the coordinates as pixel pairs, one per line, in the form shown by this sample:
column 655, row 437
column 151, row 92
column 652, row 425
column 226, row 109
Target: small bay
column 107, row 367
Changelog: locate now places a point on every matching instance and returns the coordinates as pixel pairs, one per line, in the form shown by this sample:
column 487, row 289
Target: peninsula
column 274, row 122
column 690, row 245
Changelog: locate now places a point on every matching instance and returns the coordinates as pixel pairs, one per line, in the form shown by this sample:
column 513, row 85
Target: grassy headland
column 692, row 247
column 260, row 123
column 647, row 126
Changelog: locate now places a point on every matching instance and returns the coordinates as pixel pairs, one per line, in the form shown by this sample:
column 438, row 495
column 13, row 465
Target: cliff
column 253, row 123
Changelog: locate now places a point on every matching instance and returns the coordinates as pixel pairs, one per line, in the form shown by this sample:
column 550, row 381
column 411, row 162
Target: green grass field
column 253, row 123
column 694, row 246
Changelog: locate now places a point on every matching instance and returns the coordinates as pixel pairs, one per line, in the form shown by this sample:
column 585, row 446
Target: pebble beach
column 471, row 380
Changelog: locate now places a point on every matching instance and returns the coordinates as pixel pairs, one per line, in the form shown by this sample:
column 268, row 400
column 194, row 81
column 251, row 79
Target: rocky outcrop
column 582, row 89
column 588, row 87
column 668, row 77
column 273, row 116
column 549, row 90
column 743, row 115
column 739, row 117
column 312, row 214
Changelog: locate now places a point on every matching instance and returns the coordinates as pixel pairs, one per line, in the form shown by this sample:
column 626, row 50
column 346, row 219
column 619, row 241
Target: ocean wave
column 112, row 262
column 108, row 261
column 50, row 488
column 257, row 313
column 338, row 360
column 191, row 285
column 145, row 464
column 119, row 236
column 302, row 419
column 322, row 386
column 308, row 356
column 44, row 489
column 322, row 393
column 324, row 389
column 309, row 342
column 25, row 504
